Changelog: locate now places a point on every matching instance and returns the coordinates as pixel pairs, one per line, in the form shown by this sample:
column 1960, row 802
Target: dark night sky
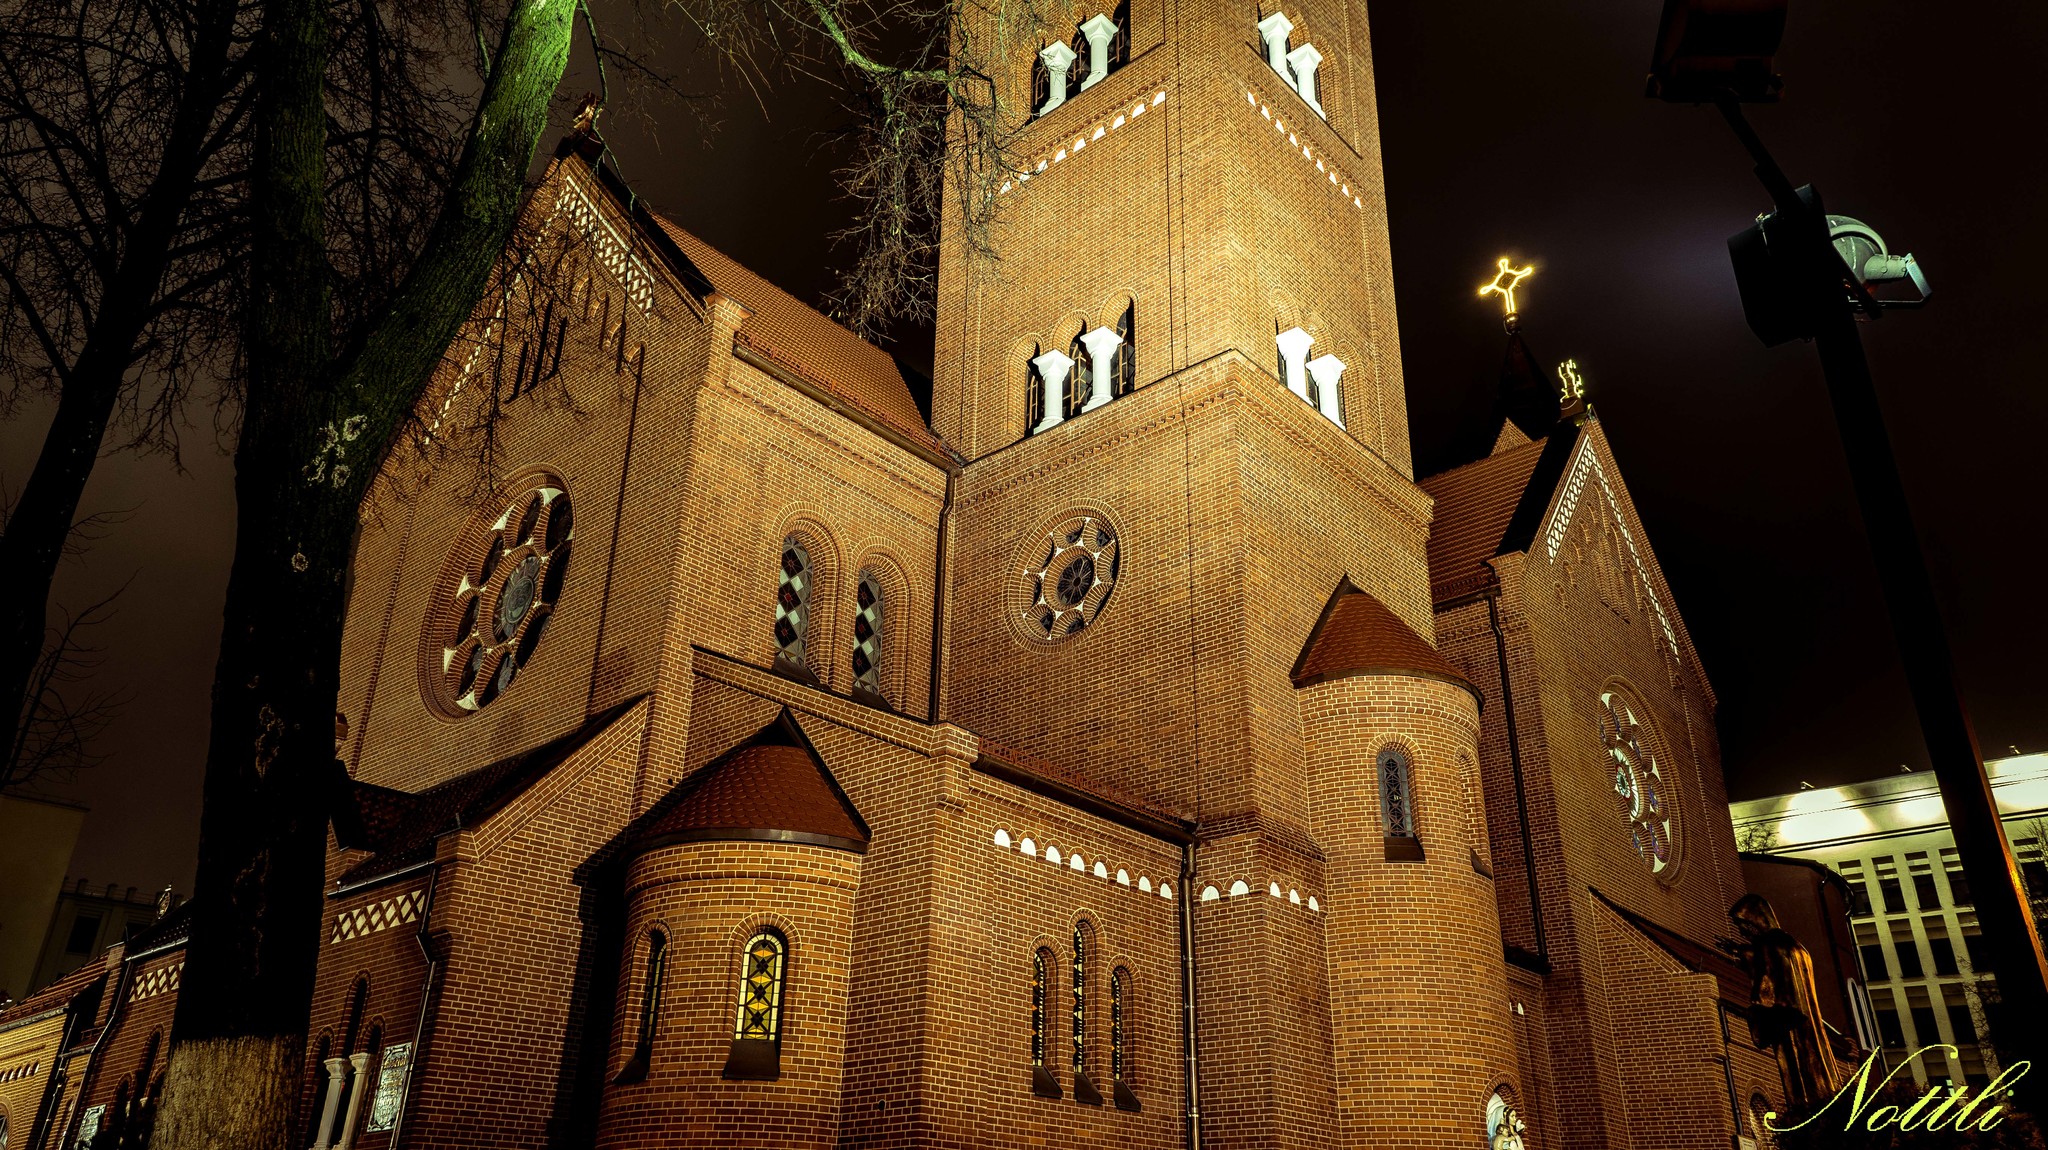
column 1509, row 128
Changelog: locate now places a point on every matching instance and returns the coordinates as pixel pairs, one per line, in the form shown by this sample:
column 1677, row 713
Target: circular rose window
column 1649, row 805
column 497, row 593
column 1066, row 577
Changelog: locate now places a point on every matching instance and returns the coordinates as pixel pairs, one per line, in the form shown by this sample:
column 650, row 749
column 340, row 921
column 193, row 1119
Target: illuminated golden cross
column 1504, row 284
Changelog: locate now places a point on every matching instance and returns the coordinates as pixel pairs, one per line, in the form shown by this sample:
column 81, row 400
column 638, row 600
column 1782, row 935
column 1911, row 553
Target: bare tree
column 65, row 709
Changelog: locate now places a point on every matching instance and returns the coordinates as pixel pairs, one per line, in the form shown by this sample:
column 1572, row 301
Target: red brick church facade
column 1132, row 751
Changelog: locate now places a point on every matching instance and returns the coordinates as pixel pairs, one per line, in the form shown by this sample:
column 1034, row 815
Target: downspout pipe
column 1507, row 699
column 1189, row 1036
column 419, row 1026
column 939, row 591
column 39, row 1131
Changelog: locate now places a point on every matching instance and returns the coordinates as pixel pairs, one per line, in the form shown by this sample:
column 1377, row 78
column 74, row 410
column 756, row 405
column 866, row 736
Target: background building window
column 1938, row 944
column 85, row 930
column 867, row 634
column 1922, row 871
column 1888, row 885
column 1875, row 968
column 757, row 1028
column 1958, row 882
column 793, row 602
column 1907, row 950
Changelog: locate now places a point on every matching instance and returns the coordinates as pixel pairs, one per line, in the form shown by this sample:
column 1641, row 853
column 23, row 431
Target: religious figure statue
column 1504, row 1127
column 1784, row 1008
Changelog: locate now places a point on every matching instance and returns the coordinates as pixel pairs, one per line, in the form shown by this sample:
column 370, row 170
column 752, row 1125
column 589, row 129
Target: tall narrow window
column 1080, row 377
column 1043, row 1083
column 635, row 1069
column 1034, row 391
column 1125, row 371
column 757, row 1028
column 867, row 635
column 793, row 603
column 1084, row 1089
column 1121, row 1064
column 1397, row 806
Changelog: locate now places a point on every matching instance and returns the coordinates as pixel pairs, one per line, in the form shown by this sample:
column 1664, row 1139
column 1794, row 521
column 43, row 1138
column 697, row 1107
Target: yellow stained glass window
column 760, row 1013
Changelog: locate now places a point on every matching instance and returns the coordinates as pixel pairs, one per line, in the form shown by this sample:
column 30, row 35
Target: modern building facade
column 88, row 918
column 1914, row 922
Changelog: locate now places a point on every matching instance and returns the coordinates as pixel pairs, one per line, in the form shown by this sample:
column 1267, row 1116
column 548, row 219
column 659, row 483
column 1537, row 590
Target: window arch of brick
column 756, row 1052
column 649, row 972
column 893, row 617
column 1124, row 1037
column 1119, row 313
column 802, row 649
column 1394, row 780
column 1083, row 963
column 1045, row 966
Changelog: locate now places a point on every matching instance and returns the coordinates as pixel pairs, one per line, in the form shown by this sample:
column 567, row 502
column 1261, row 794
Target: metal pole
column 2002, row 908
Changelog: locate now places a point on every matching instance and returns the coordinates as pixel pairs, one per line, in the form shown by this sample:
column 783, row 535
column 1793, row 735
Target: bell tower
column 1212, row 169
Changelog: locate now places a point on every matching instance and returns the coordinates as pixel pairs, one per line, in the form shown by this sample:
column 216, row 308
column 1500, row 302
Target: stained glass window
column 1639, row 784
column 867, row 634
column 1080, row 1011
column 760, row 1013
column 505, row 591
column 1397, row 808
column 793, row 602
column 650, row 995
column 1119, row 1042
column 1038, row 967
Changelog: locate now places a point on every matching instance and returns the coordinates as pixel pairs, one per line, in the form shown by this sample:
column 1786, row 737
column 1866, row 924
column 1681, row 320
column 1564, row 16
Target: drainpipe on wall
column 1189, row 1036
column 419, row 1026
column 939, row 593
column 1507, row 699
column 1728, row 1072
column 43, row 1124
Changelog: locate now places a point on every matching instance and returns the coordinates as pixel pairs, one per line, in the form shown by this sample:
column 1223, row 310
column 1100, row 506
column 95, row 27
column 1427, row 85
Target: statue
column 1504, row 1127
column 1784, row 1009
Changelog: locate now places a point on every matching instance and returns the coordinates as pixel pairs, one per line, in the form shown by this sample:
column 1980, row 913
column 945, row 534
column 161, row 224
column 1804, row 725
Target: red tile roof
column 771, row 783
column 1473, row 506
column 801, row 339
column 1358, row 635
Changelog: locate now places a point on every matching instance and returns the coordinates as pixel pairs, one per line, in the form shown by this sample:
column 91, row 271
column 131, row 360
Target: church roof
column 1358, row 635
column 400, row 828
column 800, row 338
column 772, row 787
column 1491, row 507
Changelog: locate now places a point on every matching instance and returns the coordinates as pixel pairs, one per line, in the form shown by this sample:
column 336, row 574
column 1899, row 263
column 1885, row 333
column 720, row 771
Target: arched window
column 793, row 603
column 1081, row 376
column 1124, row 371
column 1397, row 805
column 1034, row 390
column 867, row 634
column 1122, row 1052
column 757, row 1028
column 1084, row 1089
column 656, row 971
column 1759, row 1107
column 1043, row 1083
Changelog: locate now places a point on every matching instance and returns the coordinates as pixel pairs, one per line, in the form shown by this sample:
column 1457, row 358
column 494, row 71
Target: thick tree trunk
column 41, row 521
column 242, row 1009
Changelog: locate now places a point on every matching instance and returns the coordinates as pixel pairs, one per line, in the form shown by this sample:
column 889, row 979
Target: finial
column 586, row 115
column 1504, row 283
column 1571, row 390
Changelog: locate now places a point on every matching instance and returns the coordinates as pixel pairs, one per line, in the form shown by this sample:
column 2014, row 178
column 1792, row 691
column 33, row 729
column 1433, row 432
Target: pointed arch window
column 1034, row 391
column 793, row 603
column 757, row 1027
column 1397, row 805
column 1043, row 1083
column 1081, row 375
column 867, row 634
column 1124, row 369
column 655, row 974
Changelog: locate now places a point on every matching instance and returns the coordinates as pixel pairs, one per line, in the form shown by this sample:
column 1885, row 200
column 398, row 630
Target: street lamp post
column 1720, row 50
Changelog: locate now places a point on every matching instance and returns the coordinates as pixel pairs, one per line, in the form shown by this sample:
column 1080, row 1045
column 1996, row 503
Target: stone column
column 1294, row 344
column 1052, row 368
column 1303, row 61
column 1273, row 30
column 337, row 1077
column 1102, row 344
column 1100, row 30
column 1327, row 370
column 1058, row 58
column 357, row 1062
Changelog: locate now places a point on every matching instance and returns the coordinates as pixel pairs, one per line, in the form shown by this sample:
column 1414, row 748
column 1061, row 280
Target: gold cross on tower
column 1504, row 285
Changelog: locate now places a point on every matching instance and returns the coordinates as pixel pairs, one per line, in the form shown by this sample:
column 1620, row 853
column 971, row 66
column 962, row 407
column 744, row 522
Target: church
column 1129, row 749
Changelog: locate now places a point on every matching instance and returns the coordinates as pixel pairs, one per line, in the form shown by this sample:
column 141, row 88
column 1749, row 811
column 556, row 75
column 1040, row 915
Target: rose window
column 1639, row 784
column 504, row 589
column 1067, row 579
